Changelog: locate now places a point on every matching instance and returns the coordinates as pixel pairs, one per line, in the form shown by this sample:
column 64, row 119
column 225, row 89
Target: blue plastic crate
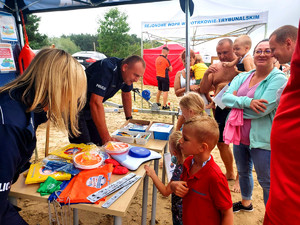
column 161, row 131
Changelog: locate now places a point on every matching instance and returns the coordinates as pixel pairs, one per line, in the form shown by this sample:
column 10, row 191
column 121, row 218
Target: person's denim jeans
column 261, row 159
column 244, row 166
column 245, row 158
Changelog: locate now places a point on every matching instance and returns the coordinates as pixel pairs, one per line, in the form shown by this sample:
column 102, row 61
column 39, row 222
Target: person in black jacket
column 54, row 83
column 105, row 78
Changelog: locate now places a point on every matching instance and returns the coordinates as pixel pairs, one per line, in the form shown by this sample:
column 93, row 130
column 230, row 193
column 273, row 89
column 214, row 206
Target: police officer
column 105, row 78
column 55, row 83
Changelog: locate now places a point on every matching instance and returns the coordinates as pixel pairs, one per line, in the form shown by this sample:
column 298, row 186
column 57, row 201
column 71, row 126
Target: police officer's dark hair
column 166, row 48
column 134, row 59
column 284, row 32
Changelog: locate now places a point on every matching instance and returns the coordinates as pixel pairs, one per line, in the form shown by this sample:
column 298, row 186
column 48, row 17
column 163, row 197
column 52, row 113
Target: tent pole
column 187, row 48
column 142, row 55
column 266, row 29
column 19, row 24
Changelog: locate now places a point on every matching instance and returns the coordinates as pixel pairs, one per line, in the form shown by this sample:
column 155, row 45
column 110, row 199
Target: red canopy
column 150, row 56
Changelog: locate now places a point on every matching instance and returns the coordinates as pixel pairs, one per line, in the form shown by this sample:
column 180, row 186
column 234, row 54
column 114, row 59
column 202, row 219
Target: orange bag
column 86, row 183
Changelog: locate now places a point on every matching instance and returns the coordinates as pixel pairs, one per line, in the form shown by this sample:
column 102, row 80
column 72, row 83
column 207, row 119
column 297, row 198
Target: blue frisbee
column 139, row 152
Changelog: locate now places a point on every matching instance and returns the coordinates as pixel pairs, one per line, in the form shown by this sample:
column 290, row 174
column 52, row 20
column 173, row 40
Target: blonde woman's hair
column 206, row 129
column 56, row 81
column 174, row 141
column 193, row 101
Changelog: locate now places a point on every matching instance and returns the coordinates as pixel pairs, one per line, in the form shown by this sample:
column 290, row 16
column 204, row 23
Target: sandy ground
column 37, row 213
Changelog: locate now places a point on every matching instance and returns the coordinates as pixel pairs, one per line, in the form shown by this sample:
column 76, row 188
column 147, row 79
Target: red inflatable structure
column 150, row 56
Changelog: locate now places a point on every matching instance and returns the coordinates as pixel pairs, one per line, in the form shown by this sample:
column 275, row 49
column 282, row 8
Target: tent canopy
column 150, row 56
column 211, row 20
column 36, row 6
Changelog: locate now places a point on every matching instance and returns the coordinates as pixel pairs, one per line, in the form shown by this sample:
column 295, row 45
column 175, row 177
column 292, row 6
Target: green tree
column 36, row 40
column 85, row 42
column 113, row 35
column 135, row 45
column 151, row 44
column 65, row 44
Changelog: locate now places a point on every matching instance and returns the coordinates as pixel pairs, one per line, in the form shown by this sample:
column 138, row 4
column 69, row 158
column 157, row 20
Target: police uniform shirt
column 17, row 142
column 105, row 79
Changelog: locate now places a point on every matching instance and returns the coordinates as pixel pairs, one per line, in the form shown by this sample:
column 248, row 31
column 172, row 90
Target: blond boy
column 241, row 48
column 203, row 186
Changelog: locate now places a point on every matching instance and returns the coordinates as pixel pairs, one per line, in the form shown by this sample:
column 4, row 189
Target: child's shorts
column 198, row 81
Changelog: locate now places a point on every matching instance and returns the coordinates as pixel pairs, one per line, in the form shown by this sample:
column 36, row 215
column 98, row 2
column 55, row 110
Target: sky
column 54, row 24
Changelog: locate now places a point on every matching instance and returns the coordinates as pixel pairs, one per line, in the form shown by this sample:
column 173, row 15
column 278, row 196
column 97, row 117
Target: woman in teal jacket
column 255, row 93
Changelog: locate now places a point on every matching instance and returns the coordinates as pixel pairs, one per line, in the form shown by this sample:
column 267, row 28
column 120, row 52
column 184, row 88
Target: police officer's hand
column 115, row 139
column 109, row 138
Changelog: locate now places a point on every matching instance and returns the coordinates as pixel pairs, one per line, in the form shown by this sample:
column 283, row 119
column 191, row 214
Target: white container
column 88, row 160
column 143, row 138
column 161, row 131
column 135, row 136
column 136, row 127
column 116, row 148
column 125, row 138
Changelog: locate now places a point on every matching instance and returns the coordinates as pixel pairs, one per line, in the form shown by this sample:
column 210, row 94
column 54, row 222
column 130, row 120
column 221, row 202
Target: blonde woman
column 54, row 83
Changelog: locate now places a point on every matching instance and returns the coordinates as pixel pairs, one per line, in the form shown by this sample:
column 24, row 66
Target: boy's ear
column 203, row 147
column 247, row 47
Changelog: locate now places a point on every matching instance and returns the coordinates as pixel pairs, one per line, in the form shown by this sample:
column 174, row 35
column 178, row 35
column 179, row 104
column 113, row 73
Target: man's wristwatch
column 129, row 117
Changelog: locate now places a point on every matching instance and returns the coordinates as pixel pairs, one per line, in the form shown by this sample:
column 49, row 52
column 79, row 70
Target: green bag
column 49, row 186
